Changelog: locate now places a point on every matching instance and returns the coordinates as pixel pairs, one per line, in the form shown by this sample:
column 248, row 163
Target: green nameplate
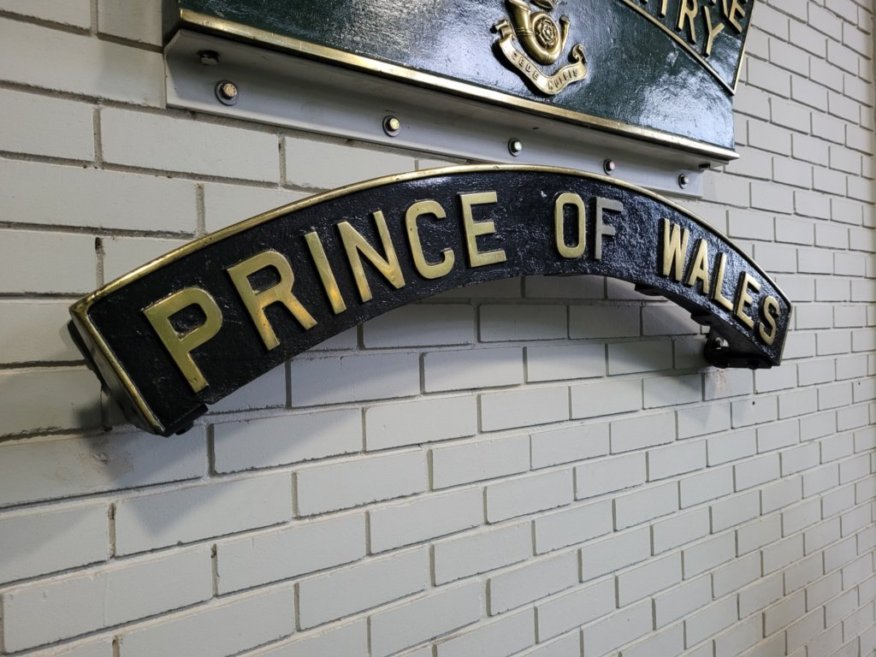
column 660, row 70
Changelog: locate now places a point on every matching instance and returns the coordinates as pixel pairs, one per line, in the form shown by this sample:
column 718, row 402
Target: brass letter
column 326, row 275
column 355, row 243
column 699, row 269
column 743, row 298
column 473, row 229
column 769, row 311
column 735, row 12
column 663, row 7
column 181, row 345
column 601, row 227
column 425, row 268
column 256, row 302
column 564, row 199
column 712, row 31
column 717, row 288
column 675, row 240
column 686, row 13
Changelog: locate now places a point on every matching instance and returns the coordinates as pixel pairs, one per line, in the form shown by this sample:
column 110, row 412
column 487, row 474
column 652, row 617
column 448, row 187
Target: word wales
column 195, row 325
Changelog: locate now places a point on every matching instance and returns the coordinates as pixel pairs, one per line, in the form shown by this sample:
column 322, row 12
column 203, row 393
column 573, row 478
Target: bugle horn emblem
column 543, row 41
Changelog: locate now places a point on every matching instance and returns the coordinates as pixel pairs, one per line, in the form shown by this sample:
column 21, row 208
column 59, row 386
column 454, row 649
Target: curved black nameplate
column 197, row 324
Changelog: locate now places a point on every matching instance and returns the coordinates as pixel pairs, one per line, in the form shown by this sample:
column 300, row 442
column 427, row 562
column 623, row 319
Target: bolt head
column 227, row 92
column 683, row 180
column 391, row 125
column 609, row 166
column 515, row 146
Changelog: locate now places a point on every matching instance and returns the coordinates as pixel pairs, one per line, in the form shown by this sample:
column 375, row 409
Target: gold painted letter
column 718, row 287
column 736, row 12
column 281, row 292
column 181, row 345
column 712, row 31
column 743, row 298
column 355, row 243
column 675, row 240
column 326, row 275
column 699, row 270
column 425, row 268
column 601, row 229
column 769, row 312
column 687, row 12
column 473, row 229
column 563, row 200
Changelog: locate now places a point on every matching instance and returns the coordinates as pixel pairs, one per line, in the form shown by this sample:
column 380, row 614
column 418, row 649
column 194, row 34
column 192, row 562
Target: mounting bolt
column 515, row 146
column 208, row 57
column 609, row 166
column 683, row 180
column 391, row 125
column 227, row 92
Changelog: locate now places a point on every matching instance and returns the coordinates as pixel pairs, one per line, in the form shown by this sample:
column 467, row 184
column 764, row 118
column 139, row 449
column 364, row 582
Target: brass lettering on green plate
column 187, row 329
column 543, row 41
column 663, row 71
column 710, row 30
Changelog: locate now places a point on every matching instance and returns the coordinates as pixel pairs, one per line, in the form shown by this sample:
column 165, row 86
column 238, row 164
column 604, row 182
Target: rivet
column 227, row 92
column 609, row 166
column 391, row 125
column 208, row 57
column 515, row 146
column 683, row 180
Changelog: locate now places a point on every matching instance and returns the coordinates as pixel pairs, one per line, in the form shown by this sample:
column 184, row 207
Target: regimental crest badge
column 543, row 42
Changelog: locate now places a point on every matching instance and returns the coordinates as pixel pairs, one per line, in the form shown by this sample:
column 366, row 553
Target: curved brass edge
column 394, row 71
column 82, row 305
column 83, row 321
column 693, row 53
column 79, row 310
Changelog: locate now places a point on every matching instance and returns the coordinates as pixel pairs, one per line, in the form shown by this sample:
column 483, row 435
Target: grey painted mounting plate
column 302, row 94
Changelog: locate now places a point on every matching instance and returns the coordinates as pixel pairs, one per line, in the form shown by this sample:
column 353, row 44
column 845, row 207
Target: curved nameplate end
column 197, row 324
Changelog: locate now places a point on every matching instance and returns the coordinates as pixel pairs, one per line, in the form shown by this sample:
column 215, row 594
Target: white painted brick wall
column 509, row 635
column 532, row 581
column 564, row 612
column 481, row 551
column 342, row 485
column 81, row 64
column 49, row 126
column 189, row 514
column 419, row 620
column 423, row 518
column 530, row 494
column 216, row 627
column 527, row 468
column 365, row 585
column 255, row 559
column 37, row 542
column 573, row 443
column 40, row 613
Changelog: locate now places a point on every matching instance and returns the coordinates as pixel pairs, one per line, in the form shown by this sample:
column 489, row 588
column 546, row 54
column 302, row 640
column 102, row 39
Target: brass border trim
column 693, row 53
column 86, row 302
column 394, row 71
column 81, row 318
column 79, row 310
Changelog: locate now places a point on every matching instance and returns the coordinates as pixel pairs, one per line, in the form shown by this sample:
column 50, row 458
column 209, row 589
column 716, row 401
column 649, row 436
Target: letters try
column 195, row 325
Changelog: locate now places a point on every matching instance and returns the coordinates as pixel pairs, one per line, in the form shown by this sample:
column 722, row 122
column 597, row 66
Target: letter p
column 181, row 345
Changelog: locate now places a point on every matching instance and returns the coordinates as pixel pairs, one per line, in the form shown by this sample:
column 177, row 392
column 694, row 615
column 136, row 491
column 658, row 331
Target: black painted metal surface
column 524, row 231
column 638, row 74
